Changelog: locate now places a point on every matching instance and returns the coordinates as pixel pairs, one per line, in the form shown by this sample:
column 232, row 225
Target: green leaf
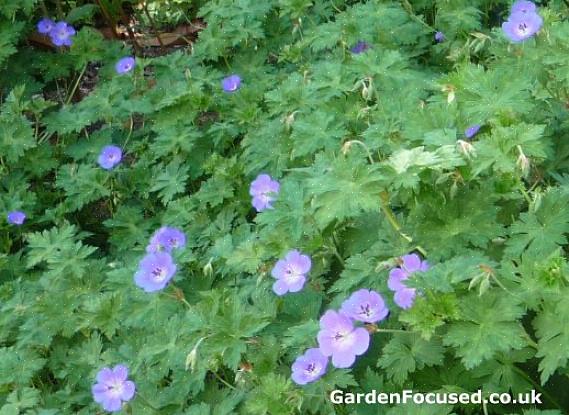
column 407, row 353
column 489, row 325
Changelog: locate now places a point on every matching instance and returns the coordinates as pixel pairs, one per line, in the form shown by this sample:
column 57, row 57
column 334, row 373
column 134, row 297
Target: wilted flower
column 466, row 148
column 155, row 270
column 439, row 37
column 523, row 162
column 290, row 272
column 523, row 6
column 61, row 34
column 263, row 189
column 472, row 130
column 109, row 157
column 45, row 25
column 16, row 217
column 309, row 367
column 359, row 47
column 340, row 339
column 522, row 25
column 113, row 388
column 166, row 239
column 125, row 65
column 365, row 305
column 405, row 296
column 231, row 83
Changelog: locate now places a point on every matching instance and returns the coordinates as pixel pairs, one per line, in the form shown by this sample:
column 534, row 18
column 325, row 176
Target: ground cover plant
column 271, row 200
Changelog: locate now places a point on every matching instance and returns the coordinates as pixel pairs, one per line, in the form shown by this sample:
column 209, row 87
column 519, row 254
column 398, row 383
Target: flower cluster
column 339, row 337
column 60, row 33
column 157, row 267
column 263, row 191
column 405, row 296
column 112, row 388
column 523, row 22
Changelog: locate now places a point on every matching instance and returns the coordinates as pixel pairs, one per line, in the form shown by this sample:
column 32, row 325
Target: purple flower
column 439, row 37
column 45, row 26
column 290, row 272
column 522, row 25
column 125, row 65
column 340, row 339
column 359, row 47
column 231, row 83
column 365, row 305
column 523, row 6
column 16, row 217
column 472, row 130
column 155, row 270
column 166, row 239
column 309, row 367
column 109, row 157
column 405, row 296
column 263, row 189
column 61, row 34
column 113, row 388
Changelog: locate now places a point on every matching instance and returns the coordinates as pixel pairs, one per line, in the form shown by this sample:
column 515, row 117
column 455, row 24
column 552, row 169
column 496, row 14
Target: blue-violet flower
column 166, row 239
column 522, row 25
column 340, row 339
column 290, row 272
column 405, row 296
column 45, row 25
column 16, row 217
column 113, row 388
column 125, row 65
column 264, row 190
column 365, row 305
column 309, row 367
column 231, row 83
column 155, row 270
column 109, row 157
column 61, row 34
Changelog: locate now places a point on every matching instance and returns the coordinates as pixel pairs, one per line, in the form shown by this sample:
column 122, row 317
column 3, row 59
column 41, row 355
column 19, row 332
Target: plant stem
column 76, row 85
column 110, row 21
column 153, row 26
column 224, row 381
column 537, row 386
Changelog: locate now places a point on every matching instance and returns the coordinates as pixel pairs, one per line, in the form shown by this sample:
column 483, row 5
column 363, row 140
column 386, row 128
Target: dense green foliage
column 370, row 152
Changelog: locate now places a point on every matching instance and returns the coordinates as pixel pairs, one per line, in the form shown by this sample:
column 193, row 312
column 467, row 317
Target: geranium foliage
column 312, row 195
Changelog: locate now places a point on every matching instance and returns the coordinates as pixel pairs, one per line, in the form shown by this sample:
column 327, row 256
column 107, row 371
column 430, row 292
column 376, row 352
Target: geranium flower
column 340, row 339
column 405, row 296
column 309, row 367
column 125, row 65
column 290, row 272
column 523, row 6
column 166, row 239
column 16, row 217
column 45, row 25
column 155, row 270
column 112, row 388
column 61, row 34
column 263, row 189
column 109, row 157
column 231, row 83
column 472, row 130
column 359, row 47
column 439, row 37
column 365, row 305
column 522, row 25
